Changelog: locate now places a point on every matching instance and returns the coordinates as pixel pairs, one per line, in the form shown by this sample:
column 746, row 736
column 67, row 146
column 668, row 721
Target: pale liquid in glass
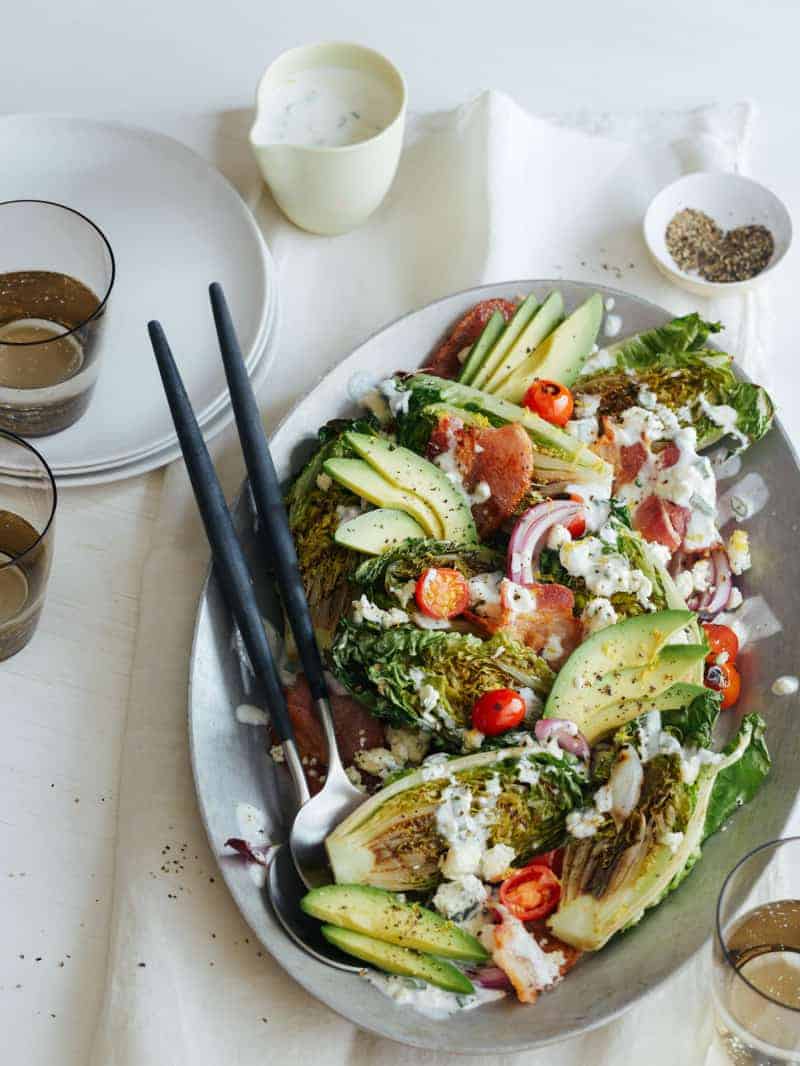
column 49, row 328
column 760, row 1025
column 25, row 364
column 22, row 583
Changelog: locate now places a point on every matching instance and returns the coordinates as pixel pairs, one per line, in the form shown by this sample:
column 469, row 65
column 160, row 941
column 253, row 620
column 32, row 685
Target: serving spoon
column 284, row 885
column 319, row 815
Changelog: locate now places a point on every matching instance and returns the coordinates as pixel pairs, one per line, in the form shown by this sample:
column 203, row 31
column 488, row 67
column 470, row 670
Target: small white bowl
column 730, row 200
column 324, row 189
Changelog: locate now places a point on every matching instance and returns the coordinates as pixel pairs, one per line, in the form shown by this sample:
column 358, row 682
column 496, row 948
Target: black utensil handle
column 232, row 569
column 267, row 495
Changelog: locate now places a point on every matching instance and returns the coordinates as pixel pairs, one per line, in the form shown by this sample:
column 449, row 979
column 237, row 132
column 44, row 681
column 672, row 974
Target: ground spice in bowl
column 698, row 245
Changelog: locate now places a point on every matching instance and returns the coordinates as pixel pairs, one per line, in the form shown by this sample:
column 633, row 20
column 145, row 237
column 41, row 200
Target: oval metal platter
column 232, row 765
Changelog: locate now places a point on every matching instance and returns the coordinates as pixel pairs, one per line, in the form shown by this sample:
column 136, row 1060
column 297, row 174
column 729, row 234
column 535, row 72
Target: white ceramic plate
column 175, row 224
column 231, row 765
column 166, row 454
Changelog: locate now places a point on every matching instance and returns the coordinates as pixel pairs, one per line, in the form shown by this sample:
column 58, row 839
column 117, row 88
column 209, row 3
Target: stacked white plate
column 175, row 225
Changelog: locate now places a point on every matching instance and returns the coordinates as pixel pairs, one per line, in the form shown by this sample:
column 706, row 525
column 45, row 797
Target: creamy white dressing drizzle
column 602, row 359
column 787, row 685
column 604, row 571
column 725, row 464
column 586, row 430
column 360, row 383
column 724, row 416
column 743, row 500
column 447, row 461
column 433, row 1002
column 248, row 714
column 613, row 325
column 325, row 107
column 252, row 823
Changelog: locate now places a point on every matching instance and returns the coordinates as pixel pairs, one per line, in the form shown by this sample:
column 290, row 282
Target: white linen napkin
column 484, row 193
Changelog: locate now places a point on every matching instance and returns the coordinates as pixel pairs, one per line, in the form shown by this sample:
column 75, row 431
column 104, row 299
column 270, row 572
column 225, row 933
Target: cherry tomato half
column 498, row 710
column 531, row 893
column 441, row 592
column 724, row 678
column 550, row 400
column 577, row 527
column 721, row 641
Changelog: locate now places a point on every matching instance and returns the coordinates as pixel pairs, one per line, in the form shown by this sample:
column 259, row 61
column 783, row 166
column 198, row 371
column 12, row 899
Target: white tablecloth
column 483, row 194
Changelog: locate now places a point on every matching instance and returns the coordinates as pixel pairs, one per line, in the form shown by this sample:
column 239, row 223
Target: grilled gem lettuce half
column 313, row 518
column 430, row 679
column 520, row 795
column 691, row 380
column 610, row 879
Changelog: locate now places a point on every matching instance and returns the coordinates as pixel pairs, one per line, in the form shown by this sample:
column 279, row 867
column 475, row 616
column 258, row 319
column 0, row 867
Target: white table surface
column 58, row 764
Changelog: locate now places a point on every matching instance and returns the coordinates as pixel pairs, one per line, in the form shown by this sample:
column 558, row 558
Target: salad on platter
column 516, row 569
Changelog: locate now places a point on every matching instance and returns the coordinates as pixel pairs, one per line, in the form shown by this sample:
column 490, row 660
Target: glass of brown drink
column 27, row 529
column 56, row 276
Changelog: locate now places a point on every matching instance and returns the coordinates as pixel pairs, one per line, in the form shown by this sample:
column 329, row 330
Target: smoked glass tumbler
column 28, row 499
column 56, row 275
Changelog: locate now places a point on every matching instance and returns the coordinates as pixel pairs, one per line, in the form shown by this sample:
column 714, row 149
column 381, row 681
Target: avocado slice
column 678, row 695
column 634, row 642
column 392, row 959
column 381, row 914
column 491, row 331
column 615, row 697
column 561, row 355
column 411, row 472
column 519, row 320
column 362, row 479
column 543, row 323
column 375, row 532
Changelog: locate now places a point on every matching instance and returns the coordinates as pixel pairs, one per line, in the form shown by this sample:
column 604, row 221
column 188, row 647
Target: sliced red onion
column 710, row 603
column 251, row 852
column 625, row 783
column 566, row 734
column 724, row 584
column 530, row 534
column 491, row 977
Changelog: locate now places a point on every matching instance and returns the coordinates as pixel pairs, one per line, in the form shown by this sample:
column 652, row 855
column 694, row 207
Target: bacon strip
column 355, row 729
column 631, row 459
column 503, row 458
column 552, row 619
column 444, row 361
column 661, row 521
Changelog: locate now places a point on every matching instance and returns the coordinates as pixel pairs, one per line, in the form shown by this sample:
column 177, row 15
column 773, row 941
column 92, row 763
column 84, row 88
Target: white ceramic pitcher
column 324, row 189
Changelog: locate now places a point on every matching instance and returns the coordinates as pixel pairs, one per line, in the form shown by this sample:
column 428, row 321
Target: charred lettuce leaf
column 430, row 679
column 518, row 796
column 313, row 517
column 738, row 783
column 688, row 333
column 630, row 864
column 672, row 363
